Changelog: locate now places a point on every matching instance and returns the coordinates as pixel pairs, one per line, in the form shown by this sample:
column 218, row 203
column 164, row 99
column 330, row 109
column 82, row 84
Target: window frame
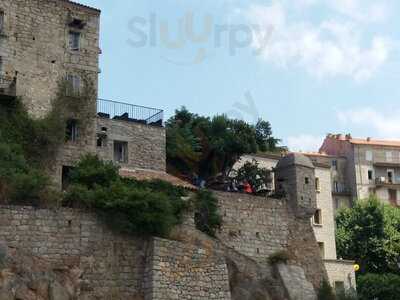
column 369, row 155
column 124, row 154
column 74, row 83
column 2, row 20
column 72, row 131
column 74, row 37
column 318, row 221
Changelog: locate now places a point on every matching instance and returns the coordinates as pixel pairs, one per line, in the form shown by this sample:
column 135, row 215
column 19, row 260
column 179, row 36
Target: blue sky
column 310, row 67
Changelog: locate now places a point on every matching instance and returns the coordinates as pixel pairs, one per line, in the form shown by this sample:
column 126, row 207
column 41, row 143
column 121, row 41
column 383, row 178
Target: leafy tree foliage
column 256, row 176
column 379, row 286
column 207, row 147
column 369, row 233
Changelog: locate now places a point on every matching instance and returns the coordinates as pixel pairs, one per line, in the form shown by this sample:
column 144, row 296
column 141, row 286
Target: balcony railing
column 128, row 112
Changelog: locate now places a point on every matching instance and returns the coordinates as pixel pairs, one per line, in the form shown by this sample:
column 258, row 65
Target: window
column 74, row 40
column 337, row 203
column 339, row 288
column 368, row 155
column 74, row 85
column 1, row 21
column 336, row 186
column 393, row 197
column 318, row 217
column 370, row 175
column 121, row 152
column 306, row 180
column 71, row 131
column 317, row 185
column 321, row 249
column 66, row 177
column 390, row 176
column 389, row 156
column 101, row 141
column 1, row 65
column 334, row 164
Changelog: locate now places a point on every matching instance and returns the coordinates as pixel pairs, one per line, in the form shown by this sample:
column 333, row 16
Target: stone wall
column 146, row 144
column 186, row 271
column 111, row 264
column 35, row 47
column 258, row 227
column 254, row 226
column 341, row 271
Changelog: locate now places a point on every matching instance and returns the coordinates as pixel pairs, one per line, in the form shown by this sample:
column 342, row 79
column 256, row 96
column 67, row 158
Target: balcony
column 384, row 181
column 7, row 87
column 130, row 113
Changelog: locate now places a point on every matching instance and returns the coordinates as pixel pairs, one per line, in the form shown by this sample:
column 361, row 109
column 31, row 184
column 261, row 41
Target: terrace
column 130, row 113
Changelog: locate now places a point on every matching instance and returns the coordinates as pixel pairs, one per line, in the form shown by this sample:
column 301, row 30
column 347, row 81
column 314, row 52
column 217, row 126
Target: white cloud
column 329, row 48
column 363, row 11
column 384, row 125
column 305, row 143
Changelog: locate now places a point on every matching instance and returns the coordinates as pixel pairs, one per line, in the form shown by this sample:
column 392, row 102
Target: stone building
column 368, row 166
column 322, row 175
column 45, row 43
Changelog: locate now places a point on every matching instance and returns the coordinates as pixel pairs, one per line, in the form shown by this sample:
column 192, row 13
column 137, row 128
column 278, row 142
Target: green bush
column 127, row 205
column 279, row 257
column 207, row 217
column 378, row 286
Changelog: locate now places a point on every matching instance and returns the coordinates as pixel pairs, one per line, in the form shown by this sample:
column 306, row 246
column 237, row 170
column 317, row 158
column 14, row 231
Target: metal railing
column 128, row 112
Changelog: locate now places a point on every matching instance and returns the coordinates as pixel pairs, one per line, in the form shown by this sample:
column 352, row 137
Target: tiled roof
column 81, row 5
column 146, row 174
column 371, row 142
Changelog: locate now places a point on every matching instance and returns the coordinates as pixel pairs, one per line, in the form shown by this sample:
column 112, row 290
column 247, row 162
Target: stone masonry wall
column 111, row 264
column 185, row 271
column 254, row 226
column 35, row 47
column 146, row 144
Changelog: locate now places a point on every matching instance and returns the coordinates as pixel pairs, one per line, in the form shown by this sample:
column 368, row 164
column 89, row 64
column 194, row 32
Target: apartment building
column 340, row 272
column 45, row 42
column 372, row 167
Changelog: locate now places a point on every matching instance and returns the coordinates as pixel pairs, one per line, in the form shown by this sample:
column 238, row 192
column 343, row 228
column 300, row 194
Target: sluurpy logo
column 156, row 32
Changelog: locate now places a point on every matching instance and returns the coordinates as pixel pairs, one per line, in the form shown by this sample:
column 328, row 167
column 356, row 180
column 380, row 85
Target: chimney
column 368, row 139
column 348, row 137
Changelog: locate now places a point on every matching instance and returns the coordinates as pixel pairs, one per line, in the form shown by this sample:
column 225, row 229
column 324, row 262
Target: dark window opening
column 390, row 176
column 66, row 177
column 318, row 217
column 393, row 197
column 74, row 40
column 101, row 141
column 71, row 131
column 339, row 288
column 120, row 152
column 334, row 164
column 306, row 180
column 1, row 21
column 370, row 175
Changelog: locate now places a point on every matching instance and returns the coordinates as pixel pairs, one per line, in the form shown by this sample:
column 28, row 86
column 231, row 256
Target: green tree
column 256, row 176
column 209, row 147
column 369, row 234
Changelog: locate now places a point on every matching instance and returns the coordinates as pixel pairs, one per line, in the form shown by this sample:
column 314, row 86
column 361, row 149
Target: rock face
column 24, row 277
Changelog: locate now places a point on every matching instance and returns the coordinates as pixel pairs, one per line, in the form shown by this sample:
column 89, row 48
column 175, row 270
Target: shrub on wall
column 207, row 217
column 144, row 208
